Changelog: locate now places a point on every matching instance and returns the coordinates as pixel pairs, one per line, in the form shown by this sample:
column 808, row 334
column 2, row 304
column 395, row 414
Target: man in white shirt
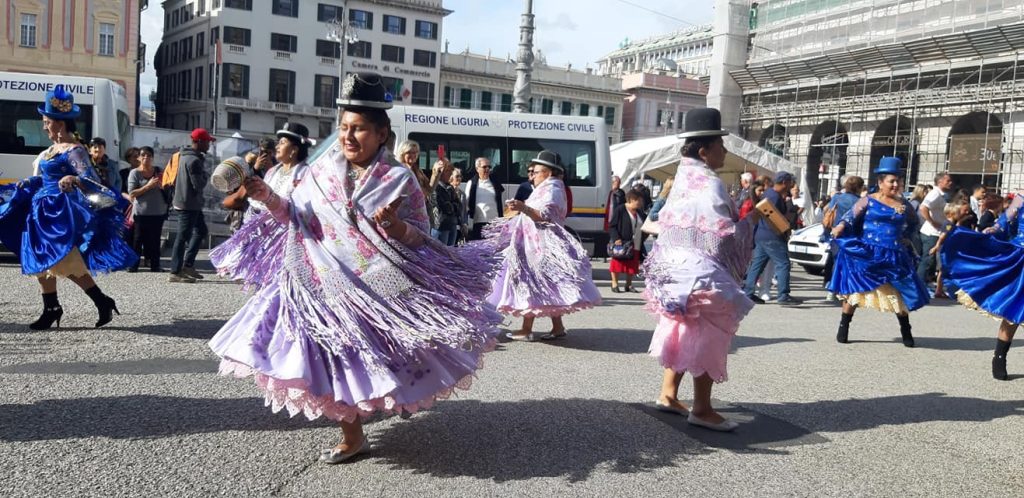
column 978, row 195
column 483, row 198
column 932, row 221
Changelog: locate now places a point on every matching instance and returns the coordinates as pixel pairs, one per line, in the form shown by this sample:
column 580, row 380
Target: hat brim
column 887, row 171
column 72, row 114
column 364, row 103
column 547, row 163
column 287, row 133
column 703, row 133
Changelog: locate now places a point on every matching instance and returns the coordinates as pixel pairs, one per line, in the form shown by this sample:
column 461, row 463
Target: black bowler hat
column 549, row 159
column 298, row 131
column 703, row 122
column 365, row 90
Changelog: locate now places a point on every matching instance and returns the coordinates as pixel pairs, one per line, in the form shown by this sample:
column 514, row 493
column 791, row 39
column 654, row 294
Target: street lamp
column 342, row 32
column 669, row 114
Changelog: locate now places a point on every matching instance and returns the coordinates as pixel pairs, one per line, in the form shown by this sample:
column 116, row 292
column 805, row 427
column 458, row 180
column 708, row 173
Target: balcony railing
column 236, row 49
column 328, row 61
column 281, row 107
column 283, row 56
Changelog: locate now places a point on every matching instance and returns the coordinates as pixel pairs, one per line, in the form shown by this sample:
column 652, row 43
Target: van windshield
column 21, row 130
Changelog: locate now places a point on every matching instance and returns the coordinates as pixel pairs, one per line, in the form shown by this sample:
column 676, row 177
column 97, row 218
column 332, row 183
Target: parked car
column 807, row 250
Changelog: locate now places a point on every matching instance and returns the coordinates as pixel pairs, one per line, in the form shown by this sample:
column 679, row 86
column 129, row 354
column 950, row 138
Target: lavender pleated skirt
column 545, row 271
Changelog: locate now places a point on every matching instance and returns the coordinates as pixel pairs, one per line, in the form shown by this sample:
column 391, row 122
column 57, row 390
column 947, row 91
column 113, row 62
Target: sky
column 567, row 31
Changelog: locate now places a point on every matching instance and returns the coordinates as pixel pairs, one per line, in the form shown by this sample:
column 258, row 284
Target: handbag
column 651, row 227
column 622, row 251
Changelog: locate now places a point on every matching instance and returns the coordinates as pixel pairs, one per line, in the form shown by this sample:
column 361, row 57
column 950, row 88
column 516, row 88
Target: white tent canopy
column 659, row 157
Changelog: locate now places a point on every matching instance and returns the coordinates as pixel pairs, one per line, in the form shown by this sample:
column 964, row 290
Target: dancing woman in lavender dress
column 544, row 269
column 357, row 310
column 52, row 227
column 693, row 274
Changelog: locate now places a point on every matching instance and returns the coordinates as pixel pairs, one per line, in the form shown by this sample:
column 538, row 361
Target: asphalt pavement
column 137, row 409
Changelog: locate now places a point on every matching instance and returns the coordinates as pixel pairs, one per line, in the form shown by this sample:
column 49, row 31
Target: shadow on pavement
column 185, row 329
column 141, row 416
column 862, row 414
column 757, row 433
column 518, row 440
column 987, row 343
column 633, row 341
column 151, row 366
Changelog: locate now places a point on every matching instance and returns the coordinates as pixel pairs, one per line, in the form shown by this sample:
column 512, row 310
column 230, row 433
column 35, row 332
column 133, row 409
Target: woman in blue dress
column 874, row 264
column 989, row 270
column 52, row 226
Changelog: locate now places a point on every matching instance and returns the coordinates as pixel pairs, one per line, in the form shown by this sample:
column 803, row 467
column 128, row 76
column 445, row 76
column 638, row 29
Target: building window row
column 29, row 28
column 183, row 86
column 466, row 98
column 282, row 87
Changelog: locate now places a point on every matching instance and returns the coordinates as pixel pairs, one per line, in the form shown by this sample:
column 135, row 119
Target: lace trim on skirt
column 969, row 303
column 885, row 299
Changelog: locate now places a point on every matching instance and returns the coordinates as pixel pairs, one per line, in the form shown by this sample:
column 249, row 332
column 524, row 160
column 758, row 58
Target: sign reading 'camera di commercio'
column 974, row 154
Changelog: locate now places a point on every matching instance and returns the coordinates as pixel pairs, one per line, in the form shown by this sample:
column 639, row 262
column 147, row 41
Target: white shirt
column 934, row 202
column 976, row 207
column 486, row 209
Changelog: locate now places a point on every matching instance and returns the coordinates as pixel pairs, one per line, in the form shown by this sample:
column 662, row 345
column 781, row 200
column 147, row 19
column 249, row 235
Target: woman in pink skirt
column 693, row 274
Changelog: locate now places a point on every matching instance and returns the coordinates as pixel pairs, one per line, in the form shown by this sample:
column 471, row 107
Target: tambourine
column 229, row 174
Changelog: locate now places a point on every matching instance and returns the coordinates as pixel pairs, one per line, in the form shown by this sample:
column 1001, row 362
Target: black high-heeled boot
column 104, row 304
column 999, row 360
column 908, row 339
column 844, row 328
column 51, row 313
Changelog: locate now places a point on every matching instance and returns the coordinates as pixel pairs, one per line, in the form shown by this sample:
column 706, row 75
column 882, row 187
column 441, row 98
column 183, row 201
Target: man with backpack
column 188, row 202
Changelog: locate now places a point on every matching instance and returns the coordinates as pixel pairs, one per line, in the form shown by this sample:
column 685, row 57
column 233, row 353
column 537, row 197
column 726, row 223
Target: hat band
column 364, row 103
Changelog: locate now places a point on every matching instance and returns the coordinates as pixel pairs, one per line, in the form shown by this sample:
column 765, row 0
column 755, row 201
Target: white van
column 510, row 140
column 104, row 105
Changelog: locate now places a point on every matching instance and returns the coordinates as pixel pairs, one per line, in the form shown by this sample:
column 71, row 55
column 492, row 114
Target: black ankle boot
column 999, row 360
column 51, row 313
column 104, row 304
column 844, row 328
column 908, row 340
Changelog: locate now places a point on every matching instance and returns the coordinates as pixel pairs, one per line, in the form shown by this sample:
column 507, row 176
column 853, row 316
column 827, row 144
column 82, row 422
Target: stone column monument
column 524, row 62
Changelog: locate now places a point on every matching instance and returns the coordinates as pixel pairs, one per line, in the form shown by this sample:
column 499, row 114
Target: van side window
column 578, row 157
column 21, row 130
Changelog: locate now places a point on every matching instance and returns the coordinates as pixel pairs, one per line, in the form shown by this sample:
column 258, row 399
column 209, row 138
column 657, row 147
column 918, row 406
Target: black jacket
column 448, row 206
column 524, row 191
column 471, row 201
column 621, row 225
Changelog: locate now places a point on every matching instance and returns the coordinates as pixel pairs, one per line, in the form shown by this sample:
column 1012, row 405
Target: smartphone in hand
column 440, row 151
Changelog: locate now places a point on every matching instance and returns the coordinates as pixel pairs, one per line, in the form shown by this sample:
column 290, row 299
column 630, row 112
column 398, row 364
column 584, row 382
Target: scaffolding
column 942, row 101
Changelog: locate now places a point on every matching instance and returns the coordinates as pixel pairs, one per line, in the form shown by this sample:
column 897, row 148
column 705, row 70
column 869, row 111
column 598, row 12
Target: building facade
column 685, row 52
column 471, row 81
column 656, row 104
column 834, row 86
column 215, row 70
column 94, row 38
